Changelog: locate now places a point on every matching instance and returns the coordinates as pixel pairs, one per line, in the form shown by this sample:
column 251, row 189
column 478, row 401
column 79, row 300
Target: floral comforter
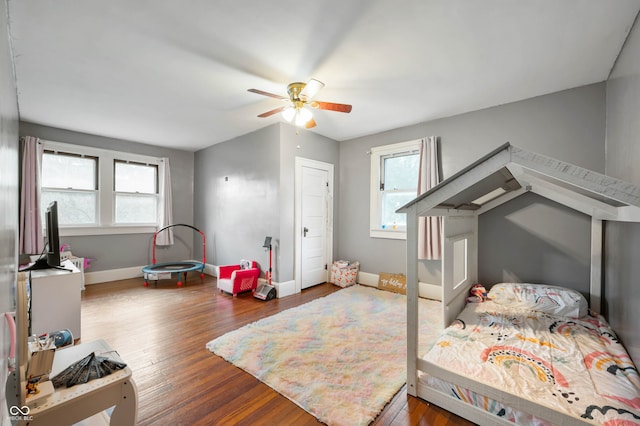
column 574, row 366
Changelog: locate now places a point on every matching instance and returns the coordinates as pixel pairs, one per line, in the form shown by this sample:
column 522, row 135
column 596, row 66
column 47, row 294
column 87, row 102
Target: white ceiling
column 176, row 73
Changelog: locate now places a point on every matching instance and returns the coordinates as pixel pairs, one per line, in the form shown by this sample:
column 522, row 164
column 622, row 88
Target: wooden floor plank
column 160, row 331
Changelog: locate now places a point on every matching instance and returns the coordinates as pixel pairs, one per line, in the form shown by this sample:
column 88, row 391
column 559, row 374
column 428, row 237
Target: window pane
column 391, row 201
column 74, row 208
column 69, row 171
column 135, row 178
column 136, row 208
column 401, row 172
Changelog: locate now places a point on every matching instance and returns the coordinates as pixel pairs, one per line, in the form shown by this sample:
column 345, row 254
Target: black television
column 50, row 259
column 53, row 236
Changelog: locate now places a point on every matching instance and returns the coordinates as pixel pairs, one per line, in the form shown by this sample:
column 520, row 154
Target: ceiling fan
column 301, row 96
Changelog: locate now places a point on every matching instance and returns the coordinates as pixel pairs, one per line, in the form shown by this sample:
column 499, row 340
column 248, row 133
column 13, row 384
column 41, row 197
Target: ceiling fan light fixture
column 289, row 113
column 303, row 116
column 297, row 115
column 301, row 98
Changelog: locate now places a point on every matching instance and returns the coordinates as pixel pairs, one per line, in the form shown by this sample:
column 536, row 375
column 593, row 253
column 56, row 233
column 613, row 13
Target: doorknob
column 304, row 231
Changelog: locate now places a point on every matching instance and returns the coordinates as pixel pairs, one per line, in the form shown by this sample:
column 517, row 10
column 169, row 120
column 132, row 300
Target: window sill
column 106, row 230
column 391, row 235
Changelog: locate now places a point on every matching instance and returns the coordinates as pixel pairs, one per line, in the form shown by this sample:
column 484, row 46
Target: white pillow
column 539, row 297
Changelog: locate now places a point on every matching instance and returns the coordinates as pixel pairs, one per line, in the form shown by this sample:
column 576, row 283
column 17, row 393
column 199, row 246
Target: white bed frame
column 496, row 178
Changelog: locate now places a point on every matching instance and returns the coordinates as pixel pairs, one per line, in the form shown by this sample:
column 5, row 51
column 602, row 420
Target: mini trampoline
column 156, row 272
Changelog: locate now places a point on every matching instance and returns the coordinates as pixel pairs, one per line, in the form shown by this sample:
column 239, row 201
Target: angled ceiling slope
column 509, row 171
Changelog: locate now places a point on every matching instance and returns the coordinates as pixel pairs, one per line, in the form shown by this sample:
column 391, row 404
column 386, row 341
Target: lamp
column 288, row 113
column 303, row 116
column 297, row 114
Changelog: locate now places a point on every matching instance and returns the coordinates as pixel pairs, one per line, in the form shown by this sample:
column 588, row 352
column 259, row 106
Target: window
column 136, row 192
column 394, row 182
column 72, row 181
column 101, row 191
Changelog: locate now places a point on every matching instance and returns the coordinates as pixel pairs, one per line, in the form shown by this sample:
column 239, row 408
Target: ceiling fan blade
column 270, row 113
column 262, row 92
column 311, row 89
column 310, row 124
column 331, row 106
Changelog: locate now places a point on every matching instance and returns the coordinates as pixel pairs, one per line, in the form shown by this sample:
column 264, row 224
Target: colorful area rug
column 341, row 357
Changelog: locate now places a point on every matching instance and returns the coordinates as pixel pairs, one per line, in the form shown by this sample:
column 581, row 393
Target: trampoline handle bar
column 204, row 242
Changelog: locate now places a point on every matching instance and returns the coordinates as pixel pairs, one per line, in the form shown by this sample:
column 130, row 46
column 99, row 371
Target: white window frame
column 152, row 195
column 106, row 192
column 375, row 199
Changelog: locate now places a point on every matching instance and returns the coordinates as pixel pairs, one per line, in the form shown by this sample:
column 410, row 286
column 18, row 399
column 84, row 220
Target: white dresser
column 55, row 299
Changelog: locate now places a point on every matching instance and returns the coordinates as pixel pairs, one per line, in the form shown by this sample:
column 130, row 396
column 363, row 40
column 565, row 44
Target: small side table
column 67, row 406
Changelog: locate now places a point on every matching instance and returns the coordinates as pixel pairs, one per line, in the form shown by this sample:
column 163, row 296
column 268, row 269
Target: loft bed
column 498, row 177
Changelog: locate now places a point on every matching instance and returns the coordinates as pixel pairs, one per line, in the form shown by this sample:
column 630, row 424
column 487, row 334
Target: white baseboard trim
column 367, row 278
column 211, row 269
column 112, row 275
column 131, row 272
column 430, row 291
column 426, row 290
column 285, row 289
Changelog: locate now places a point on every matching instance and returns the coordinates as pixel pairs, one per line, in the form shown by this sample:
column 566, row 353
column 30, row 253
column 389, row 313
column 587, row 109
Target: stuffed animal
column 477, row 294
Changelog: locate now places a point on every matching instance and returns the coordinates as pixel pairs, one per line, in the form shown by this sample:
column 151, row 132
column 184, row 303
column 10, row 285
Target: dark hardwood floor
column 161, row 332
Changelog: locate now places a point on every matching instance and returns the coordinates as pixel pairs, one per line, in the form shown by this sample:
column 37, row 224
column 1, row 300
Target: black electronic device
column 267, row 242
column 265, row 292
column 50, row 259
column 53, row 235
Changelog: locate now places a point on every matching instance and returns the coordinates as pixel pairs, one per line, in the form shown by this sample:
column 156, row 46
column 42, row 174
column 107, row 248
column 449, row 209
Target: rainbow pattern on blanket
column 508, row 356
column 575, row 366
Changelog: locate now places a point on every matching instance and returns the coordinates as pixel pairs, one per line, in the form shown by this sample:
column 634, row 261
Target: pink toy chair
column 233, row 279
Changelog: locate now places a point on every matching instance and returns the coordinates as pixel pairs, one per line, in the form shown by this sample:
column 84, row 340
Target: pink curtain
column 31, row 240
column 165, row 238
column 429, row 228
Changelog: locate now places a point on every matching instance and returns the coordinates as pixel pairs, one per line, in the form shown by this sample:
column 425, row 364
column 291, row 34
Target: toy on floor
column 155, row 272
column 477, row 294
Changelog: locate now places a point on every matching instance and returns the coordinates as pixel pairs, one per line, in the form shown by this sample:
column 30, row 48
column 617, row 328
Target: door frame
column 301, row 162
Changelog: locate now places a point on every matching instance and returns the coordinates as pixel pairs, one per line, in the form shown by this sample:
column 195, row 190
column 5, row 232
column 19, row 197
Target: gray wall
column 520, row 244
column 257, row 199
column 622, row 240
column 107, row 250
column 236, row 196
column 9, row 209
column 568, row 125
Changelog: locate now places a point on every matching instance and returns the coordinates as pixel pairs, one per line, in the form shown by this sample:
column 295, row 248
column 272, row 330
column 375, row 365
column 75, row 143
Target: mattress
column 576, row 367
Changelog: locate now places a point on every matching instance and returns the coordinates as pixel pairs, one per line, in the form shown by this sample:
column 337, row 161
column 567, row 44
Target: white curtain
column 429, row 228
column 31, row 240
column 165, row 238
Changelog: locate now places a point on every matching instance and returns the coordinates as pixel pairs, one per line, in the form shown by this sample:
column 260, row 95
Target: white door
column 314, row 222
column 314, row 226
